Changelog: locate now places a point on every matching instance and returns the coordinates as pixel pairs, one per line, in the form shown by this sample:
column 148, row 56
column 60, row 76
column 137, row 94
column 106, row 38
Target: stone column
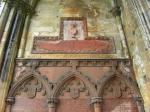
column 52, row 104
column 4, row 18
column 6, row 33
column 97, row 104
column 140, row 103
column 24, row 37
column 10, row 101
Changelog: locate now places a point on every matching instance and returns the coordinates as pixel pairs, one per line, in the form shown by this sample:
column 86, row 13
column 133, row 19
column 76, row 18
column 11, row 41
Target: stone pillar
column 4, row 18
column 6, row 33
column 117, row 14
column 140, row 103
column 97, row 104
column 52, row 104
column 10, row 101
column 24, row 37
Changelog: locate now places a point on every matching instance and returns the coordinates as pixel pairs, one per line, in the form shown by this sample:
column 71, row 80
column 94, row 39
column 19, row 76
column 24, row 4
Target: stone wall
column 100, row 21
column 76, row 86
column 134, row 26
column 138, row 48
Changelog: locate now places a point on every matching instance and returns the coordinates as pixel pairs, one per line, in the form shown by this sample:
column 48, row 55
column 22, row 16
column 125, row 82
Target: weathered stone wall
column 138, row 49
column 78, row 86
column 100, row 21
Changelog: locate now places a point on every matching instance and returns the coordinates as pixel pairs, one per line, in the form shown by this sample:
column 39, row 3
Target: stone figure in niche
column 74, row 39
column 73, row 30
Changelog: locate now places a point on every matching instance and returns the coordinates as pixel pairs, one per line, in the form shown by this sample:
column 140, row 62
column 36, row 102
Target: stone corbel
column 97, row 103
column 126, row 70
column 10, row 101
column 140, row 104
column 52, row 104
column 74, row 64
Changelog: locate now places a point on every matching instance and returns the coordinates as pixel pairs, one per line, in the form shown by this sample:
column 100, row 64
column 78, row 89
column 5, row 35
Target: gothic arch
column 129, row 81
column 69, row 75
column 26, row 77
column 104, row 81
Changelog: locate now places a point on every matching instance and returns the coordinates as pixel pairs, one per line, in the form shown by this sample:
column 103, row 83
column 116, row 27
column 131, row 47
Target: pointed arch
column 26, row 77
column 129, row 81
column 69, row 75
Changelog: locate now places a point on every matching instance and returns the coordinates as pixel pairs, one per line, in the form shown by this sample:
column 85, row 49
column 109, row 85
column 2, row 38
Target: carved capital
column 10, row 100
column 74, row 64
column 125, row 68
column 140, row 103
column 52, row 102
column 138, row 99
column 96, row 100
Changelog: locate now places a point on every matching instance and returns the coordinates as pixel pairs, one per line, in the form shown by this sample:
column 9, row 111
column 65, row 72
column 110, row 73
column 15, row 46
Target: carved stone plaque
column 73, row 39
column 42, row 45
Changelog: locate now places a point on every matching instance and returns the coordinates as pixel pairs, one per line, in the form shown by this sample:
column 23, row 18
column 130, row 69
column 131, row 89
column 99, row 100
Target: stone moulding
column 55, row 45
column 73, row 74
column 73, row 81
column 65, row 19
column 118, row 66
column 67, row 62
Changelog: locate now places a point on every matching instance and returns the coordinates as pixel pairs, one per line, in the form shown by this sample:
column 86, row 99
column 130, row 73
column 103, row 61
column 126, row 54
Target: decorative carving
column 96, row 100
column 68, row 63
column 138, row 99
column 125, row 69
column 73, row 28
column 73, row 47
column 22, row 71
column 54, row 38
column 10, row 100
column 19, row 72
column 74, row 64
column 74, row 87
column 116, row 88
column 31, row 88
column 47, row 38
column 73, row 39
column 52, row 102
column 72, row 82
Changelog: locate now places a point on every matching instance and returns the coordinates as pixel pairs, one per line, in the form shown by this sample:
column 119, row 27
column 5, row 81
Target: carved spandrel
column 74, row 87
column 31, row 88
column 117, row 88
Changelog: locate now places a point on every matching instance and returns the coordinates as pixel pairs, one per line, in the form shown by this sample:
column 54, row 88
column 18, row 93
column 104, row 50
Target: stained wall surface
column 100, row 21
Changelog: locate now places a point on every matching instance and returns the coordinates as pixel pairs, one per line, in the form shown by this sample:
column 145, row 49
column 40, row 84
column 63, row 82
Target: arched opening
column 118, row 96
column 30, row 94
column 75, row 93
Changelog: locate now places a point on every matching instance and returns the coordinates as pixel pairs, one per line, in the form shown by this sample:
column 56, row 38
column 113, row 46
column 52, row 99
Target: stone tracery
column 73, row 82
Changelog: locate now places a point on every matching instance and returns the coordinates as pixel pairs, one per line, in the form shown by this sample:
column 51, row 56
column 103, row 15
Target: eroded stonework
column 73, row 56
column 63, row 82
